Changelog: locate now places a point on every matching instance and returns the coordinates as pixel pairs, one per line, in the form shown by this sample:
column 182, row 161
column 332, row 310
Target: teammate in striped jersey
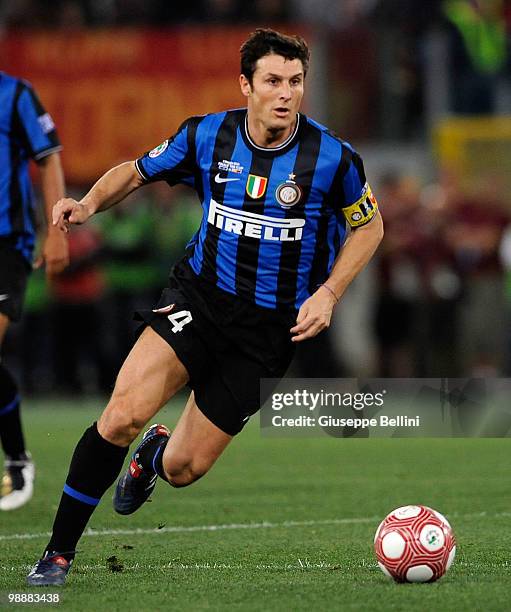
column 26, row 132
column 270, row 260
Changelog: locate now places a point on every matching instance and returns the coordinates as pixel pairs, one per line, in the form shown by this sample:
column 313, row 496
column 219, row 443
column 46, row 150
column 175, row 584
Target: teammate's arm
column 316, row 312
column 110, row 189
column 55, row 252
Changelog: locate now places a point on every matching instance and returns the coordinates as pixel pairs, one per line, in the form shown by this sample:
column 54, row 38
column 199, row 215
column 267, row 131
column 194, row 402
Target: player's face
column 276, row 92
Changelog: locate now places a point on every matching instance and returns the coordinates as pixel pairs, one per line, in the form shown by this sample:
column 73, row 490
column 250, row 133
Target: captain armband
column 363, row 210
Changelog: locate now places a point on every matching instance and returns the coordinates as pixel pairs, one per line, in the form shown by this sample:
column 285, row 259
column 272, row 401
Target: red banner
column 116, row 93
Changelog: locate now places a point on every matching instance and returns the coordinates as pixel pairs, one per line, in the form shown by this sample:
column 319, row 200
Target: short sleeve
column 173, row 160
column 35, row 125
column 360, row 204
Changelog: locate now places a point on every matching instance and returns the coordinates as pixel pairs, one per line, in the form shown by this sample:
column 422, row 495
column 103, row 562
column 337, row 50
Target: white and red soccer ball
column 414, row 544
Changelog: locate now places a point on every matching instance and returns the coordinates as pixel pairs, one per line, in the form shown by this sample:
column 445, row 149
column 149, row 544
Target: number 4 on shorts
column 179, row 319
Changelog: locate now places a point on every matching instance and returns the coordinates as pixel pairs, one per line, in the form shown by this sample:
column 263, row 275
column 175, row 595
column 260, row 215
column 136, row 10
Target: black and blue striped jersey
column 274, row 218
column 26, row 132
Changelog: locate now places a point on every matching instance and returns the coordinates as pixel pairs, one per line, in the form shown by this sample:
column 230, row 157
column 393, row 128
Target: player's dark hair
column 265, row 41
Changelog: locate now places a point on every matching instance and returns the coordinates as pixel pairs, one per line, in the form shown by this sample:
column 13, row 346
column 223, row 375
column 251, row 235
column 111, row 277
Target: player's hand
column 55, row 253
column 314, row 315
column 68, row 211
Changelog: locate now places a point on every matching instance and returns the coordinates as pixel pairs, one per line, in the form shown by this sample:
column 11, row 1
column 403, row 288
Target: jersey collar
column 271, row 151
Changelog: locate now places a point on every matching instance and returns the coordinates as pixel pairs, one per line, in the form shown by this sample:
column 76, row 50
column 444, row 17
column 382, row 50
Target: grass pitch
column 278, row 524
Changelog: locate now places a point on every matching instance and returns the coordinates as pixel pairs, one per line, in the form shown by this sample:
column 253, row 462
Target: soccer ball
column 414, row 544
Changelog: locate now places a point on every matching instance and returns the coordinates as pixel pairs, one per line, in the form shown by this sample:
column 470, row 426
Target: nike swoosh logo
column 219, row 179
column 4, row 296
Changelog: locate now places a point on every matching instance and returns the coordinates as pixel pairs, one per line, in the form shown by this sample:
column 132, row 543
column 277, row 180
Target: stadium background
column 423, row 91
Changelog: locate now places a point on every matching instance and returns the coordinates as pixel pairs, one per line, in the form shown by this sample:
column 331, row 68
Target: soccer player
column 263, row 272
column 26, row 132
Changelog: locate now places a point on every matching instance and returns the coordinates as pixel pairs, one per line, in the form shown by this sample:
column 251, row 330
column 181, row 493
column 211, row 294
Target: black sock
column 150, row 455
column 95, row 465
column 11, row 432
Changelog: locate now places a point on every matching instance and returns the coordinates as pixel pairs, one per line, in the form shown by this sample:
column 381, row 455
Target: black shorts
column 14, row 272
column 226, row 344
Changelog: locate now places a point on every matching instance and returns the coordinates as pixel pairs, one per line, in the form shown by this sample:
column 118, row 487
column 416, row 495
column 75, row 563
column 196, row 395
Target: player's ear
column 245, row 86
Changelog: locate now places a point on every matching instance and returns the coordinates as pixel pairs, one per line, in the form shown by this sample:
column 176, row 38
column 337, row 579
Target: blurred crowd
column 336, row 14
column 381, row 49
column 93, row 13
column 436, row 301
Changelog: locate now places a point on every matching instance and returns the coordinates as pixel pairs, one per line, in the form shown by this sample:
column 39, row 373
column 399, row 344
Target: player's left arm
column 316, row 312
column 360, row 212
column 55, row 252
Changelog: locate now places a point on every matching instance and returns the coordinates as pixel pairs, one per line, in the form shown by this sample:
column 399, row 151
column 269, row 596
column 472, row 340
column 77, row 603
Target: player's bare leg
column 150, row 376
column 180, row 458
column 195, row 445
column 193, row 448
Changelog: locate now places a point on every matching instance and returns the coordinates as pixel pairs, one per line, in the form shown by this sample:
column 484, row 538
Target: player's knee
column 185, row 478
column 185, row 472
column 119, row 422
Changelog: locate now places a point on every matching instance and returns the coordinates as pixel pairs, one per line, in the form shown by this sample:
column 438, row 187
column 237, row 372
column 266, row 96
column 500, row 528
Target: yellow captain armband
column 363, row 210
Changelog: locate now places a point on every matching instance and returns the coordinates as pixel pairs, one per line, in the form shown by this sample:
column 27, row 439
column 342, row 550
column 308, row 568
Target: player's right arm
column 109, row 190
column 172, row 161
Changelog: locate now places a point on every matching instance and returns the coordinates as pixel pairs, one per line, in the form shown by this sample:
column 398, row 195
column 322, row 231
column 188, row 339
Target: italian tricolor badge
column 256, row 186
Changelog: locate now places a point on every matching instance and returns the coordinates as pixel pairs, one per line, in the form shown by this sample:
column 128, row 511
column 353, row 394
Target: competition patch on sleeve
column 46, row 123
column 363, row 210
column 159, row 149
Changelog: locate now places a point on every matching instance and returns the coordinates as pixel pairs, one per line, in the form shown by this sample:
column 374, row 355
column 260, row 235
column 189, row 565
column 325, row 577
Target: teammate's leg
column 151, row 374
column 17, row 482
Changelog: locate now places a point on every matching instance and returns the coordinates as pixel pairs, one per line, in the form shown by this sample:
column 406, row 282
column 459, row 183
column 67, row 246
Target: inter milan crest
column 256, row 186
column 289, row 193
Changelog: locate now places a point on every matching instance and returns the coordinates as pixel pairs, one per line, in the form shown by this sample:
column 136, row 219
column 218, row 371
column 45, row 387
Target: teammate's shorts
column 226, row 344
column 14, row 272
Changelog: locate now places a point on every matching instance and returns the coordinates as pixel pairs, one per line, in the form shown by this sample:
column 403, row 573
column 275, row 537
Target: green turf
column 340, row 489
